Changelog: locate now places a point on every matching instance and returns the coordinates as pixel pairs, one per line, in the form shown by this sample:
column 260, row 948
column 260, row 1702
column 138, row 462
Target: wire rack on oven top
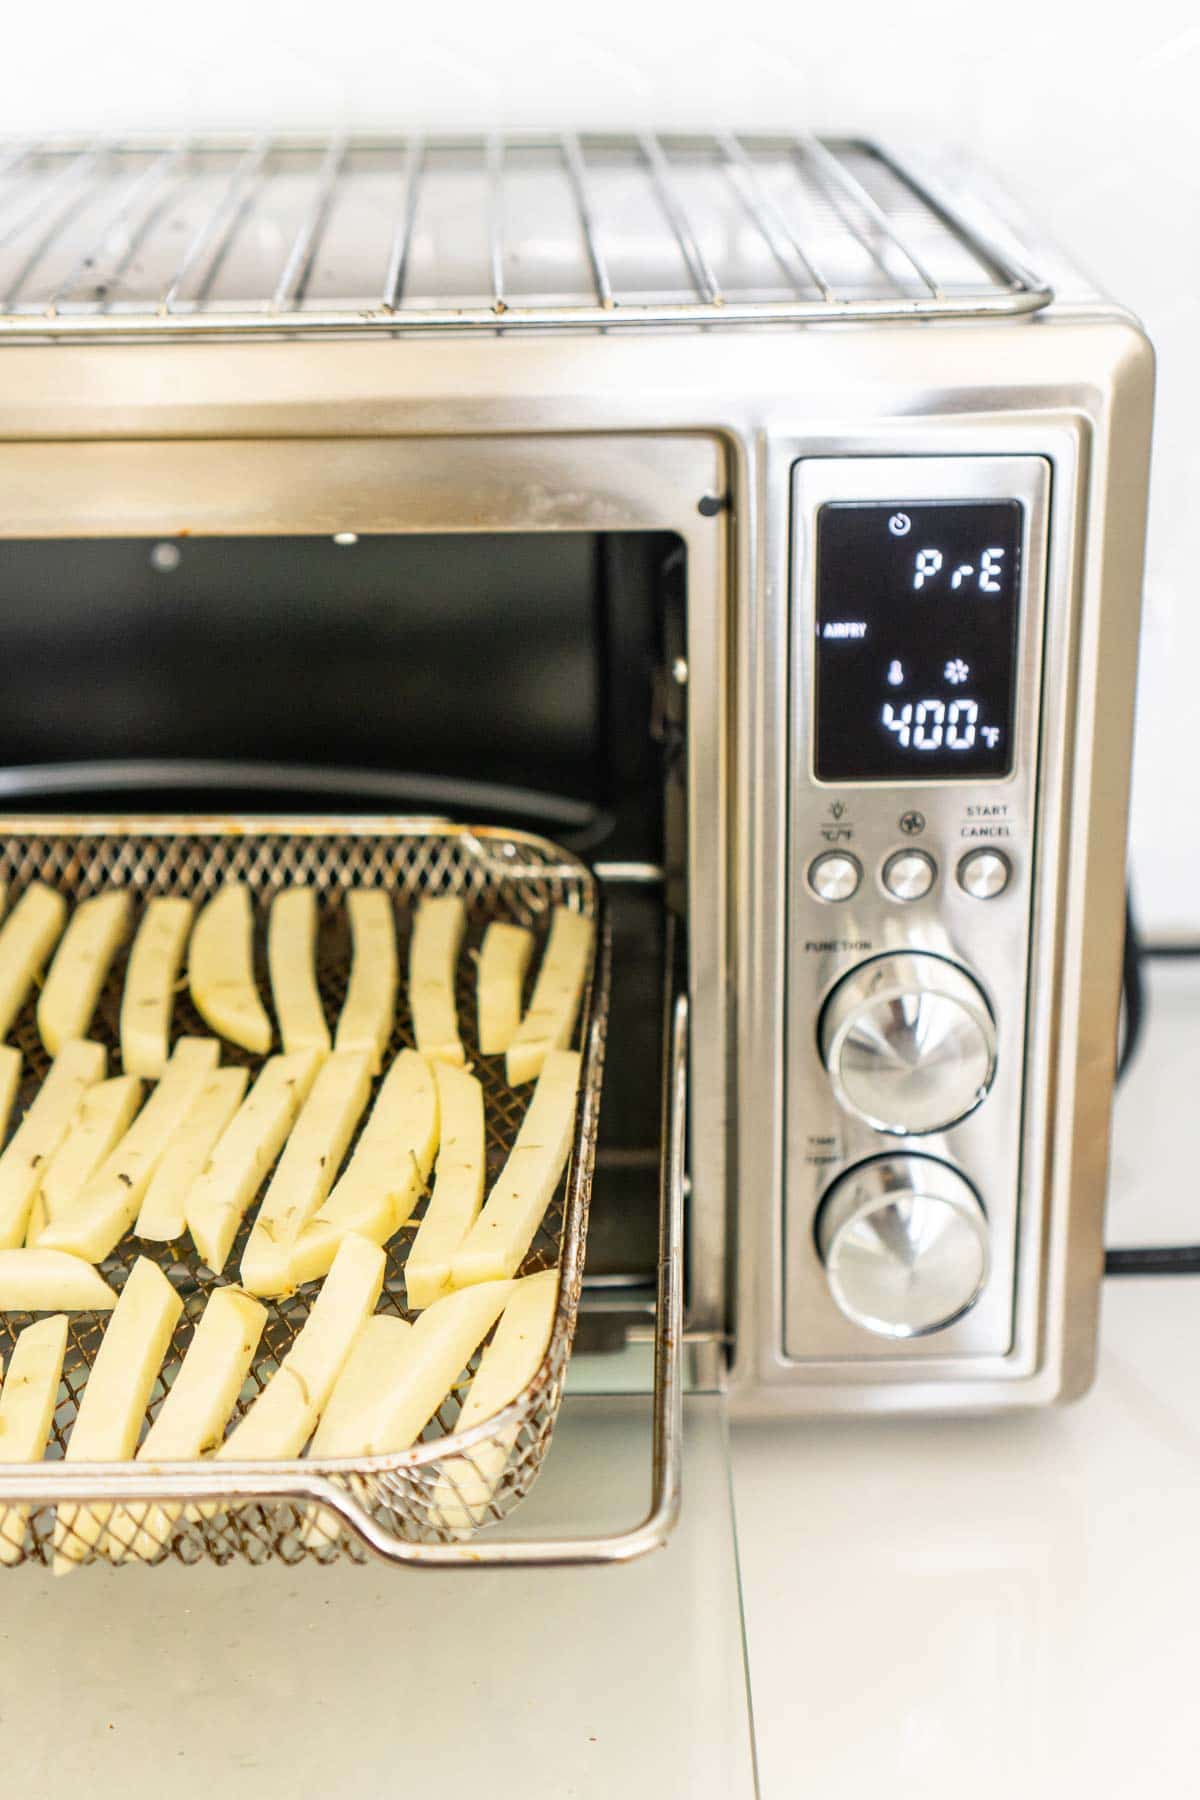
column 500, row 874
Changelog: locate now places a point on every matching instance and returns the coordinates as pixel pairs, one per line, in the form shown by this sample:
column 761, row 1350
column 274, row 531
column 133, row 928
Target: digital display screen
column 916, row 625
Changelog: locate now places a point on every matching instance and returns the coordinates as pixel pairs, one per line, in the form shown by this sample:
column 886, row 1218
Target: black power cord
column 1145, row 1259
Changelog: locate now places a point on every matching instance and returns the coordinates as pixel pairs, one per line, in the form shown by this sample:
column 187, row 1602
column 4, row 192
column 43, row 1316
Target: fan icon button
column 956, row 671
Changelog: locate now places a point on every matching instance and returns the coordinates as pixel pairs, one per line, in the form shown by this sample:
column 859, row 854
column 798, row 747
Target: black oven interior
column 528, row 679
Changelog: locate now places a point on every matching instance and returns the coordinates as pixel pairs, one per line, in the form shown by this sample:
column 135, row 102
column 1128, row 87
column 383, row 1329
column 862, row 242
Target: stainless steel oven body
column 804, row 976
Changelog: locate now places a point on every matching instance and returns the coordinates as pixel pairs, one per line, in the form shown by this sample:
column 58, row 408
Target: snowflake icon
column 956, row 671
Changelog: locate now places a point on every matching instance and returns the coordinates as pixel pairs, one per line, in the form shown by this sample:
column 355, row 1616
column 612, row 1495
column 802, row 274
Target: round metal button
column 909, row 874
column 984, row 873
column 835, row 875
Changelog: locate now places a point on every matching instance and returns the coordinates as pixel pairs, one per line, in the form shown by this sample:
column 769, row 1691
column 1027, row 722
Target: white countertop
column 1003, row 1607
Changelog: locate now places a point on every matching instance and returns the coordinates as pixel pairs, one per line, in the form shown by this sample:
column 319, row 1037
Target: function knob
column 904, row 1241
column 910, row 1043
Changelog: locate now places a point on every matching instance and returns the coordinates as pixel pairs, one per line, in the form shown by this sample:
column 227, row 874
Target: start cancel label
column 989, row 819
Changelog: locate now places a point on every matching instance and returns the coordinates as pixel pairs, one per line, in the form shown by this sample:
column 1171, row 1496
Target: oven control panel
column 915, row 680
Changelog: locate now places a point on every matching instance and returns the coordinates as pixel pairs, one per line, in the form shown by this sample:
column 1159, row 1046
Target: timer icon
column 899, row 524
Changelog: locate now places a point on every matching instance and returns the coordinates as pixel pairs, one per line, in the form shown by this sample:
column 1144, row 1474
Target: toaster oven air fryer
column 741, row 512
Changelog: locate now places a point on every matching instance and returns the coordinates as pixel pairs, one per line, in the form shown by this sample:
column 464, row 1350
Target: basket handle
column 656, row 1527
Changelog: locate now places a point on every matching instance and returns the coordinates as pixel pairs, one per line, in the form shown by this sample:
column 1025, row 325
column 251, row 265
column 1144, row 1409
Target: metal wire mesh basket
column 447, row 1484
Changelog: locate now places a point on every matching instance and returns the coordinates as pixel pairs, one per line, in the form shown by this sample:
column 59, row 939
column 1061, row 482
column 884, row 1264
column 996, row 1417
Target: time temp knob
column 904, row 1241
column 910, row 1042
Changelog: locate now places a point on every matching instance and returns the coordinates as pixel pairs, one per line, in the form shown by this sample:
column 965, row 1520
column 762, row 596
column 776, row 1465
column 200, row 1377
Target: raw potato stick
column 221, row 970
column 369, row 1010
column 162, row 1216
column 504, row 1230
column 457, row 1187
column 432, row 965
column 27, row 937
column 104, row 1115
column 292, row 960
column 245, row 1150
column 507, row 1366
column 51, row 1281
column 10, row 1081
column 116, row 1397
column 150, row 977
column 391, row 1414
column 281, row 1421
column 375, row 1349
column 77, row 1067
column 556, row 994
column 386, row 1175
column 101, row 1215
column 81, row 964
column 311, row 1158
column 193, row 1417
column 503, row 960
column 27, row 1413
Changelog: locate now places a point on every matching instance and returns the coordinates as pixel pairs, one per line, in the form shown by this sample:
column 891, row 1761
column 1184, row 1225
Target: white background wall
column 1092, row 115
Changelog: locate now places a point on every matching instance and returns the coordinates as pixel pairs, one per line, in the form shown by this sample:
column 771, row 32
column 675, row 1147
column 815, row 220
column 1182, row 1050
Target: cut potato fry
column 292, row 959
column 162, row 1216
column 51, row 1281
column 457, row 1187
column 10, row 1081
column 556, row 995
column 311, row 1158
column 193, row 1417
column 100, row 1216
column 76, row 1068
column 150, row 978
column 116, row 1396
column 503, row 961
column 221, row 970
column 369, row 1011
column 432, row 966
column 245, row 1150
column 507, row 1366
column 281, row 1421
column 104, row 1116
column 368, row 1364
column 27, row 937
column 80, row 967
column 386, row 1175
column 27, row 1413
column 504, row 1230
column 392, row 1413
